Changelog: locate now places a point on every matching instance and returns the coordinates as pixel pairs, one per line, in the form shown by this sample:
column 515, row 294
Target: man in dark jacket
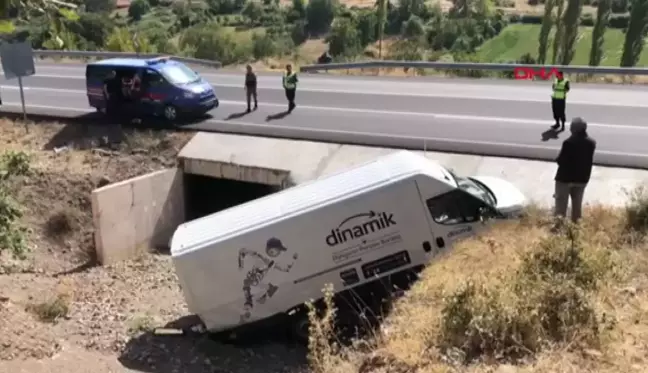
column 251, row 88
column 574, row 170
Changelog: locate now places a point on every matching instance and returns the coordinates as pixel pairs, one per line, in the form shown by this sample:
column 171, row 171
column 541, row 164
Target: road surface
column 486, row 117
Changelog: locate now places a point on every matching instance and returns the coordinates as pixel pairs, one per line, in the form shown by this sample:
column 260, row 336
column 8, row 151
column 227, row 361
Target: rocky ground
column 61, row 313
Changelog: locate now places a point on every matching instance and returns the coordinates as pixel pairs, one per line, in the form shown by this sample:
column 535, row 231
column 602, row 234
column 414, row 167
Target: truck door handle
column 427, row 247
column 440, row 242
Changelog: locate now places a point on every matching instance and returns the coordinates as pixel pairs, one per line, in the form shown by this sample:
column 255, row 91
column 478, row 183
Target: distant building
column 123, row 4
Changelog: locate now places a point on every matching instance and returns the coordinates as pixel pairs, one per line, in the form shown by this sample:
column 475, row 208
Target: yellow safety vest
column 559, row 92
column 289, row 81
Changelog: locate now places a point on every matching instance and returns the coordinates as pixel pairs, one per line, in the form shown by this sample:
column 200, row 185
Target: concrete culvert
column 206, row 195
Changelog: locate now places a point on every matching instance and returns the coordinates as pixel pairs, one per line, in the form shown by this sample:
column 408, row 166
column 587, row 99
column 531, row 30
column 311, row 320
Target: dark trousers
column 558, row 108
column 251, row 92
column 290, row 95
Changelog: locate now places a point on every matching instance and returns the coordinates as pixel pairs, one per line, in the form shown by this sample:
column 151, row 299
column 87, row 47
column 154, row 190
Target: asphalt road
column 503, row 118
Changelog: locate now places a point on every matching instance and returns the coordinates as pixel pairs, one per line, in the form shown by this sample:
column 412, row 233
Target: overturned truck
column 367, row 231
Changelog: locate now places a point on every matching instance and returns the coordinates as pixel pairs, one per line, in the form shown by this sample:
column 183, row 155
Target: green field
column 516, row 40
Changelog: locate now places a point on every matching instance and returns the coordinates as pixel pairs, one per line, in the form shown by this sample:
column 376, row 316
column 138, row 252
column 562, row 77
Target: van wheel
column 170, row 113
column 300, row 329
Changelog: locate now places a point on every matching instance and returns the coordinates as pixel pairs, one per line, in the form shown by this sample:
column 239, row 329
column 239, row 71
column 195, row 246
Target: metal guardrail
column 95, row 54
column 505, row 67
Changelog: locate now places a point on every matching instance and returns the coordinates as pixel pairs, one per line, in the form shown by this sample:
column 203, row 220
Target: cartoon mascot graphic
column 254, row 278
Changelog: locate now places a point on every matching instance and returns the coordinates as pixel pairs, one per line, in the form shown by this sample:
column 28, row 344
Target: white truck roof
column 222, row 225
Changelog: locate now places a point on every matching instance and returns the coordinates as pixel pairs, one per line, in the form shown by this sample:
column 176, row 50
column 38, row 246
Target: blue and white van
column 168, row 88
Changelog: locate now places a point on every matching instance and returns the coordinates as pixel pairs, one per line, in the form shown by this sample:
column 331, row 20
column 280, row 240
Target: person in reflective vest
column 290, row 86
column 558, row 98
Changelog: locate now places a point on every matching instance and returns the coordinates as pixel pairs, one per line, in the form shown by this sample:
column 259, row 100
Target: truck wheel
column 170, row 113
column 299, row 329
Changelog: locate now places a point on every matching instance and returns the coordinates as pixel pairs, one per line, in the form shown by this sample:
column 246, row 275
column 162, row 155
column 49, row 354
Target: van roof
column 222, row 225
column 134, row 62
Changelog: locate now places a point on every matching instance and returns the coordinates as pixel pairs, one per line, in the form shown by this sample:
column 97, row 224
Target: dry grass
column 520, row 299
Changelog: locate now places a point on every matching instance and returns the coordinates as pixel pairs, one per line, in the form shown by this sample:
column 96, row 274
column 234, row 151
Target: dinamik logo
column 358, row 226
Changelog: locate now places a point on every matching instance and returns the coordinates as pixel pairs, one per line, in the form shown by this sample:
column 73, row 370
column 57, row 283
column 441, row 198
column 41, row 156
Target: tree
column 319, row 15
column 381, row 18
column 603, row 12
column 408, row 8
column 299, row 7
column 571, row 21
column 413, row 29
column 344, row 38
column 121, row 40
column 367, row 23
column 558, row 36
column 138, row 8
column 93, row 27
column 545, row 30
column 53, row 10
column 213, row 42
column 99, row 6
column 635, row 34
column 253, row 10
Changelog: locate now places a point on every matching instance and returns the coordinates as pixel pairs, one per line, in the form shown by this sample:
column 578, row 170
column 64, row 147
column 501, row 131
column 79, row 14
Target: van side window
column 455, row 207
column 153, row 78
column 97, row 72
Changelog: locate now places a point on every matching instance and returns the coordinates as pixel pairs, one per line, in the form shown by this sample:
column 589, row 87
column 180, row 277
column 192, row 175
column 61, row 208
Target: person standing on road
column 558, row 99
column 112, row 92
column 574, row 170
column 251, row 88
column 290, row 86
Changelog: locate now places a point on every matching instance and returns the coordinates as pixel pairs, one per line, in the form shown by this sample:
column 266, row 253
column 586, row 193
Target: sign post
column 18, row 62
column 22, row 97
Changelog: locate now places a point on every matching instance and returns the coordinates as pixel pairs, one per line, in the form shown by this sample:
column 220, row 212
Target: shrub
column 51, row 310
column 587, row 20
column 619, row 21
column 636, row 211
column 551, row 291
column 60, row 224
column 12, row 235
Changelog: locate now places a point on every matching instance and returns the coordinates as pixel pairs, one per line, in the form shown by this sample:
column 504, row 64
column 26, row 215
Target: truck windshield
column 179, row 74
column 474, row 188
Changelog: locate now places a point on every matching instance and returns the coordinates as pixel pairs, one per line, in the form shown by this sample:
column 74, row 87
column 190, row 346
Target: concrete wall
column 232, row 171
column 132, row 216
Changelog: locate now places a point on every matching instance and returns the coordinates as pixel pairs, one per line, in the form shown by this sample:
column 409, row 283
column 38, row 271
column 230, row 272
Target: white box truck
column 385, row 219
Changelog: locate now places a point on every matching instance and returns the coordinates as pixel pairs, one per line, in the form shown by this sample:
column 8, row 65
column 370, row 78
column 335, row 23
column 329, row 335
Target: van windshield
column 474, row 188
column 179, row 74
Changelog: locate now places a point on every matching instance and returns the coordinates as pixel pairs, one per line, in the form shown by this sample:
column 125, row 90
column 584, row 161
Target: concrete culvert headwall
column 214, row 180
column 142, row 213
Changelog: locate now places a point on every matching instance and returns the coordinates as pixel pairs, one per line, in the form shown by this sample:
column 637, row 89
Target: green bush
column 12, row 234
column 505, row 3
column 552, row 290
column 636, row 211
column 619, row 21
column 587, row 20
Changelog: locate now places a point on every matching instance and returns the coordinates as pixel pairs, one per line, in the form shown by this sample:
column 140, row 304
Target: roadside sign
column 18, row 62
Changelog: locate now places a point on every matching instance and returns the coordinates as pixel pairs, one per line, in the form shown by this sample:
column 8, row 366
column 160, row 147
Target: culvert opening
column 206, row 195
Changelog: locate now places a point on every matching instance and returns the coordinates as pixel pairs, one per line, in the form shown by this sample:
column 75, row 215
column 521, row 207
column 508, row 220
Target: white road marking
column 432, row 116
column 388, row 136
column 442, row 94
column 382, row 135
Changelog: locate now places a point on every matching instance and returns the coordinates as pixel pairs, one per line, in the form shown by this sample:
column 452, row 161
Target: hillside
column 271, row 33
column 517, row 40
column 519, row 298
